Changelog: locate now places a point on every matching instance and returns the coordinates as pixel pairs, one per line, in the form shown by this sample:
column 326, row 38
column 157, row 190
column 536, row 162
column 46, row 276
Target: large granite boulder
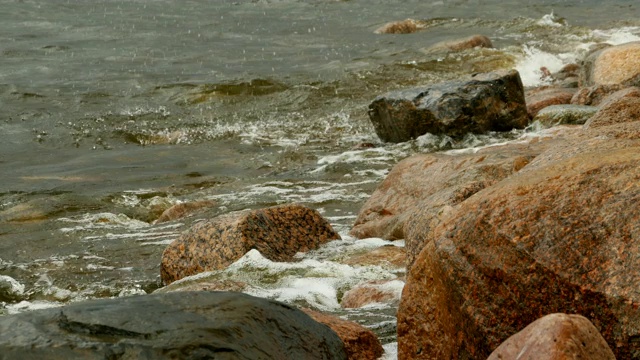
column 561, row 235
column 626, row 109
column 485, row 102
column 555, row 336
column 192, row 325
column 423, row 188
column 612, row 65
column 278, row 233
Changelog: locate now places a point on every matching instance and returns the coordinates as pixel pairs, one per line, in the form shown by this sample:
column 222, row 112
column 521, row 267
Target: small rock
column 485, row 102
column 565, row 115
column 595, row 94
column 462, row 44
column 407, row 26
column 539, row 99
column 373, row 292
column 390, row 255
column 360, row 343
column 555, row 336
column 10, row 289
column 278, row 233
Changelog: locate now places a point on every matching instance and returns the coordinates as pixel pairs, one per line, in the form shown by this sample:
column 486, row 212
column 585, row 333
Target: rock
column 538, row 99
column 486, row 102
column 561, row 235
column 204, row 285
column 407, row 26
column 181, row 210
column 10, row 289
column 626, row 109
column 555, row 336
column 462, row 44
column 565, row 114
column 278, row 233
column 614, row 65
column 384, row 256
column 632, row 91
column 192, row 325
column 373, row 292
column 360, row 343
column 423, row 188
column 595, row 94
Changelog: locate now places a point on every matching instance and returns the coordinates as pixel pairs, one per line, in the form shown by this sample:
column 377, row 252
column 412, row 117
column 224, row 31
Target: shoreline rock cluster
column 531, row 247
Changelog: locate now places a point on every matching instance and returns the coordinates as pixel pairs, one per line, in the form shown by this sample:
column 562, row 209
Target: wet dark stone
column 485, row 102
column 182, row 325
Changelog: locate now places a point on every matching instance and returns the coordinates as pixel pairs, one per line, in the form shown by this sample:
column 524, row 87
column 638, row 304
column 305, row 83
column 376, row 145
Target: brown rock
column 379, row 291
column 484, row 102
column 616, row 65
column 561, row 235
column 538, row 99
column 407, row 26
column 359, row 342
column 595, row 94
column 462, row 44
column 632, row 91
column 278, row 233
column 555, row 337
column 421, row 189
column 205, row 285
column 626, row 109
column 393, row 256
column 181, row 210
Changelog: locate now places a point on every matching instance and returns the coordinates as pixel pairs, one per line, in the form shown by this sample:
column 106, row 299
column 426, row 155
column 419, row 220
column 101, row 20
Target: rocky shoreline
column 530, row 247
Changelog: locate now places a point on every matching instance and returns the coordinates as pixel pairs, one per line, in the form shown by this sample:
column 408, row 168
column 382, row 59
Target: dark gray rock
column 486, row 102
column 182, row 325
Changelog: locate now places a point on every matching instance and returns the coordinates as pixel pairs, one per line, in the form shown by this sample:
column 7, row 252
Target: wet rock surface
column 181, row 210
column 422, row 189
column 561, row 235
column 193, row 325
column 625, row 109
column 278, row 233
column 462, row 44
column 612, row 65
column 539, row 99
column 360, row 343
column 595, row 94
column 373, row 292
column 555, row 336
column 485, row 102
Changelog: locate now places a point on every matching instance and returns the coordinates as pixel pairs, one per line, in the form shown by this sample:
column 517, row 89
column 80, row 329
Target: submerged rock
column 565, row 115
column 360, row 343
column 193, row 325
column 10, row 289
column 555, row 336
column 373, row 292
column 462, row 44
column 486, row 102
column 181, row 210
column 407, row 26
column 561, row 235
column 278, row 233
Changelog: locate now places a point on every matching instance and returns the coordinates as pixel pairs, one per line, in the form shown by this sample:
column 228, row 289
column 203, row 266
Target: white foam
column 13, row 286
column 533, row 59
column 31, row 305
column 619, row 35
column 390, row 351
column 552, row 20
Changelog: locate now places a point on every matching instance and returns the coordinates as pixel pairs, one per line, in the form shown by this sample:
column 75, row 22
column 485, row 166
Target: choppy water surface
column 114, row 110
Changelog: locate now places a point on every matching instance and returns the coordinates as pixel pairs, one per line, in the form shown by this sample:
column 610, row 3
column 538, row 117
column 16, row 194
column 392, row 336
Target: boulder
column 360, row 343
column 632, row 91
column 561, row 235
column 373, row 292
column 181, row 210
column 613, row 65
column 485, row 102
column 423, row 188
column 593, row 95
column 555, row 336
column 565, row 115
column 538, row 99
column 626, row 109
column 278, row 233
column 191, row 325
column 462, row 44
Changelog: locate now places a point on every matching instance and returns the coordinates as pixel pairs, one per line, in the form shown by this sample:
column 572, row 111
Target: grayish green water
column 113, row 110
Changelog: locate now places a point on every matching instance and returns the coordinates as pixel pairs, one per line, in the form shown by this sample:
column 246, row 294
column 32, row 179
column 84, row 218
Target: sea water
column 112, row 111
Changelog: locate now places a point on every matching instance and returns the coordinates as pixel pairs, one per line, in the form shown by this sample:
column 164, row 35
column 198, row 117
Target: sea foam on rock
column 484, row 102
column 560, row 235
column 278, row 233
column 181, row 325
